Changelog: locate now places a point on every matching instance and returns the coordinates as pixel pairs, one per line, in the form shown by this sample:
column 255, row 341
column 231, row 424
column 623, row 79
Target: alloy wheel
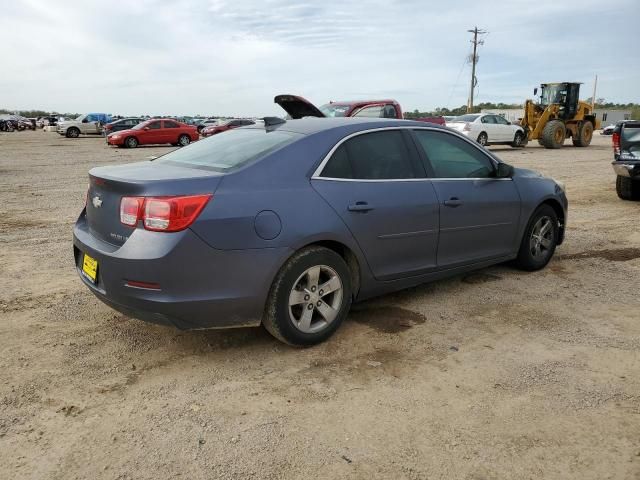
column 315, row 299
column 541, row 240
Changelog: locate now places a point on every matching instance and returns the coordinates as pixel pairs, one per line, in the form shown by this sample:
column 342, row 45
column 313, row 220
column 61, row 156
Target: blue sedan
column 287, row 223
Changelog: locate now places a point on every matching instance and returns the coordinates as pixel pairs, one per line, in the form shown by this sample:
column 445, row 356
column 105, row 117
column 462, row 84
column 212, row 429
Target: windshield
column 79, row 119
column 553, row 94
column 334, row 110
column 466, row 118
column 229, row 150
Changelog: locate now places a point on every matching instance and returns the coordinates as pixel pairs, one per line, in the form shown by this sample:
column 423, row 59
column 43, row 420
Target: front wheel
column 309, row 298
column 539, row 240
column 518, row 140
column 131, row 142
column 73, row 132
column 184, row 140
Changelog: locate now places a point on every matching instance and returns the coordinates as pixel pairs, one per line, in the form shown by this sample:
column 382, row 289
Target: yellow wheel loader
column 559, row 115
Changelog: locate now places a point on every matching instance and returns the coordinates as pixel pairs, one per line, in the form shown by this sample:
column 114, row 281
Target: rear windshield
column 465, row 118
column 229, row 150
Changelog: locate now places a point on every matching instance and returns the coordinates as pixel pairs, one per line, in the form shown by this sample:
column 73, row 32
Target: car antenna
column 271, row 121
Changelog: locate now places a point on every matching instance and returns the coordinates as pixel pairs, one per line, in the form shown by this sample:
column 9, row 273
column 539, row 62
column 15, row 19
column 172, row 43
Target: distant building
column 606, row 116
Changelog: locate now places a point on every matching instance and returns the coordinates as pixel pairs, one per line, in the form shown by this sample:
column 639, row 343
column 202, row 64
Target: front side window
column 375, row 111
column 170, row 124
column 452, row 157
column 154, row 125
column 501, row 120
column 230, row 151
column 371, row 156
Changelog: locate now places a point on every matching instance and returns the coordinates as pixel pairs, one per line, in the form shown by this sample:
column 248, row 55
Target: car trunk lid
column 298, row 107
column 107, row 186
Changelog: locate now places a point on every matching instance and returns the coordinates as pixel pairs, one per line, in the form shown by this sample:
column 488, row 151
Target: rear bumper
column 200, row 287
column 627, row 168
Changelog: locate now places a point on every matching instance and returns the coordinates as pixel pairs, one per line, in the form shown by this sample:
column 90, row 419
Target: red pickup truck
column 299, row 107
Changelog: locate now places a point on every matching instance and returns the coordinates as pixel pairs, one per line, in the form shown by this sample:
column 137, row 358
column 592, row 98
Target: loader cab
column 565, row 95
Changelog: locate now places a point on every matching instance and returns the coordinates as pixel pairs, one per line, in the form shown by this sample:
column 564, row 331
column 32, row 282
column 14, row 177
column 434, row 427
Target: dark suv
column 626, row 152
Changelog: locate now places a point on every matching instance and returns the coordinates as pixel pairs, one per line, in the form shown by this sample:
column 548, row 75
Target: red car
column 155, row 131
column 299, row 107
column 224, row 126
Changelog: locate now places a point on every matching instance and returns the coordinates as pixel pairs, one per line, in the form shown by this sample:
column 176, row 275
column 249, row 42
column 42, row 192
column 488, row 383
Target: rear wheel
column 627, row 188
column 518, row 140
column 539, row 240
column 73, row 132
column 483, row 139
column 553, row 134
column 584, row 134
column 184, row 140
column 131, row 142
column 309, row 298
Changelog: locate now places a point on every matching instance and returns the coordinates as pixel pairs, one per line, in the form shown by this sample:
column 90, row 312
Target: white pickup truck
column 86, row 124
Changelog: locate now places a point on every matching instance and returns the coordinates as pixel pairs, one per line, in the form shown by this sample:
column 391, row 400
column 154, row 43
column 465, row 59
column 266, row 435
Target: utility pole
column 474, row 60
column 593, row 97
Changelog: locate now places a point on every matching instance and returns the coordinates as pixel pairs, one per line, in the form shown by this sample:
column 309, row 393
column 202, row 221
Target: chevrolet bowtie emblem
column 96, row 202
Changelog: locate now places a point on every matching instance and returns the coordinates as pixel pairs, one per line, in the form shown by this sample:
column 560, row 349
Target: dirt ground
column 499, row 374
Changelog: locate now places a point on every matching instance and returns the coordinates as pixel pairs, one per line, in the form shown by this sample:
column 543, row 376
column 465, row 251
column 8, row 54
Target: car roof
column 311, row 125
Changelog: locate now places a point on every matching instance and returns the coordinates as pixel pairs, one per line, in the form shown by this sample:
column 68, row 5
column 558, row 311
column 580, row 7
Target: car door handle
column 360, row 207
column 453, row 202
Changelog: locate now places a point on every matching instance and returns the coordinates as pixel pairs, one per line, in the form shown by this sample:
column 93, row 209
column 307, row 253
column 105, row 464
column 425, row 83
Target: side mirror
column 85, row 120
column 146, row 128
column 535, row 91
column 504, row 170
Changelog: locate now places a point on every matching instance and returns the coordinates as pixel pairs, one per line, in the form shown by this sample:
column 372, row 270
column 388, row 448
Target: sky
column 231, row 57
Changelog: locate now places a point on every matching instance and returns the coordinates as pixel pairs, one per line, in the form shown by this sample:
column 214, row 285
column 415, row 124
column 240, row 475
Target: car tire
column 584, row 134
column 554, row 134
column 72, row 132
column 298, row 311
column 131, row 142
column 539, row 240
column 518, row 140
column 483, row 139
column 627, row 188
column 184, row 140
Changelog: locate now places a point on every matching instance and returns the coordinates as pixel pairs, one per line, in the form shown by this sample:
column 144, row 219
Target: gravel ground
column 498, row 374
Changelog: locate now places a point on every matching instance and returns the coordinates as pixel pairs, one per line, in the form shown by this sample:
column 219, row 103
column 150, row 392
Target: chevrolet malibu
column 286, row 224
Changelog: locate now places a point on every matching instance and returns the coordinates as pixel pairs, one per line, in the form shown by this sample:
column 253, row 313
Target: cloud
column 231, row 57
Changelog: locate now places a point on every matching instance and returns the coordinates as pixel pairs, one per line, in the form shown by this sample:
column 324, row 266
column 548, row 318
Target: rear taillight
column 162, row 214
column 467, row 127
column 616, row 143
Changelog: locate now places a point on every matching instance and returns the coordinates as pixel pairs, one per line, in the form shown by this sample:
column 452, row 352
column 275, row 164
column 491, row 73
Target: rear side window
column 231, row 150
column 371, row 156
column 374, row 111
column 452, row 157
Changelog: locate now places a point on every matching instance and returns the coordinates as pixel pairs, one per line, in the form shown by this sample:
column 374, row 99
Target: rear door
column 479, row 213
column 152, row 133
column 375, row 182
column 171, row 131
column 489, row 125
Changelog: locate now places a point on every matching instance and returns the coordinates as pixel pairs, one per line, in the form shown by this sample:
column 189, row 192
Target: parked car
column 122, row 124
column 288, row 223
column 226, row 125
column 299, row 107
column 87, row 124
column 608, row 130
column 489, row 129
column 209, row 122
column 626, row 154
column 436, row 120
column 47, row 121
column 156, row 131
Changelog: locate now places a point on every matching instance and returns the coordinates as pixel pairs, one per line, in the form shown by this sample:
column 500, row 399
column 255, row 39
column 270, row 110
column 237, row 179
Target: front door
column 152, row 133
column 376, row 184
column 479, row 213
